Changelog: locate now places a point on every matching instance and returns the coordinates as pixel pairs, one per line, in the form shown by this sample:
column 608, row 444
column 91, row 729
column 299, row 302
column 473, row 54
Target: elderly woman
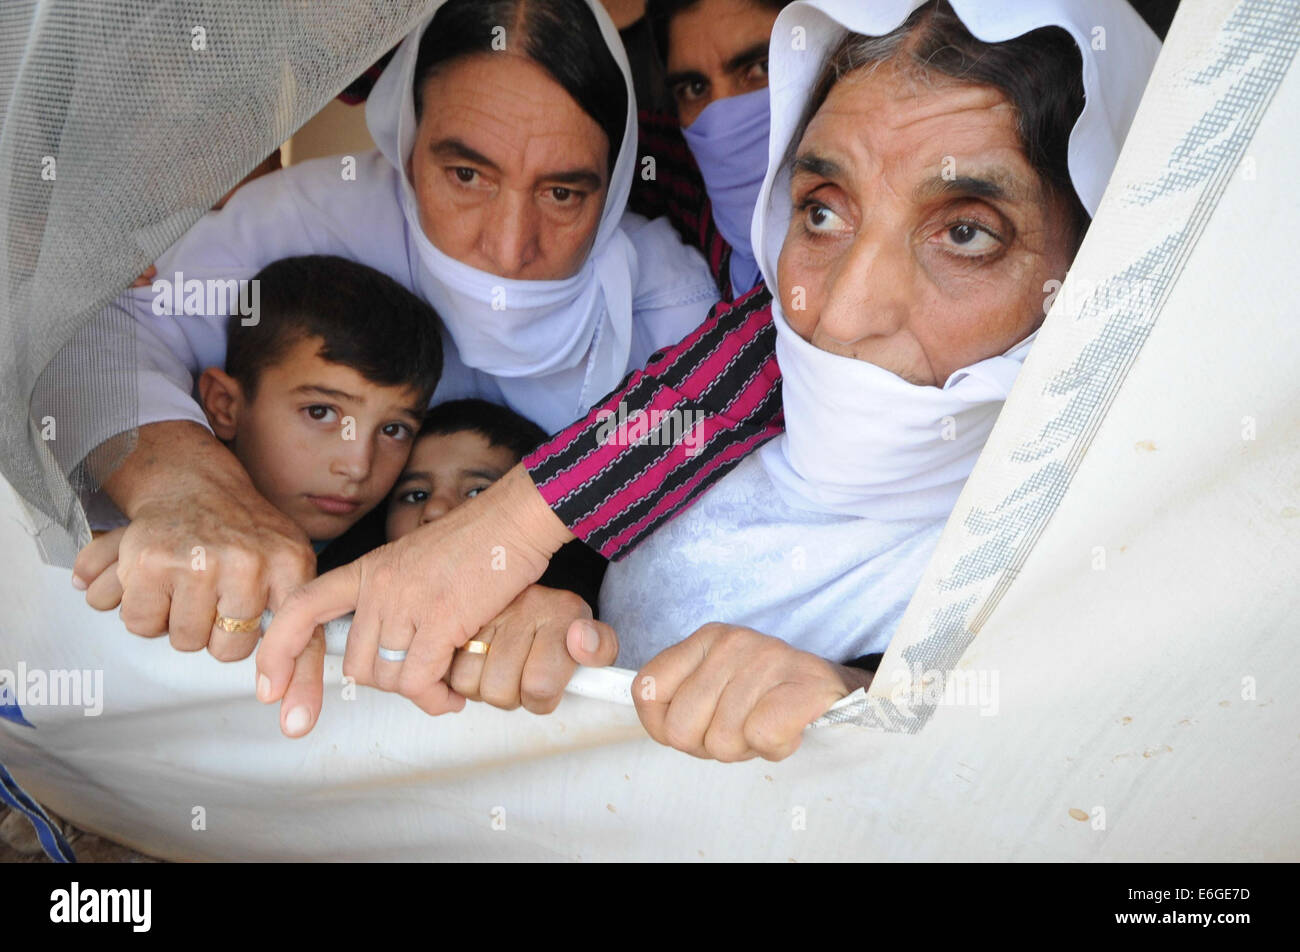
column 925, row 188
column 906, row 300
column 506, row 134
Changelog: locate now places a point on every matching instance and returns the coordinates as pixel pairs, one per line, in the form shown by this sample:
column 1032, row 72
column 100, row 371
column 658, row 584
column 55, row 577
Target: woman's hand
column 202, row 542
column 533, row 645
column 421, row 597
column 95, row 570
column 730, row 693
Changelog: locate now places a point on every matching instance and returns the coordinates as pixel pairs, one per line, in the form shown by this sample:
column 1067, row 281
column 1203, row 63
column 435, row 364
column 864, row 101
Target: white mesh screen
column 122, row 122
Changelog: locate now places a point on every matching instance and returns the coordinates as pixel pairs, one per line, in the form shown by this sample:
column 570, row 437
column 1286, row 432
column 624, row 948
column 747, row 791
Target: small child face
column 321, row 442
column 445, row 469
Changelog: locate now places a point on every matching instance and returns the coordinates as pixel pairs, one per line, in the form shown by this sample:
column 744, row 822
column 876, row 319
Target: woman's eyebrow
column 746, row 57
column 585, row 177
column 684, row 76
column 810, row 163
column 994, row 184
column 454, row 148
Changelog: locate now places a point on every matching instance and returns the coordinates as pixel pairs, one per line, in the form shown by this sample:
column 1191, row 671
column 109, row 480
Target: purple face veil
column 729, row 142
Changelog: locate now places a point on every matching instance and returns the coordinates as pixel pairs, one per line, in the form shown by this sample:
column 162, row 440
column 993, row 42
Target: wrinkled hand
column 425, row 594
column 730, row 693
column 199, row 551
column 95, row 570
column 535, row 645
column 202, row 542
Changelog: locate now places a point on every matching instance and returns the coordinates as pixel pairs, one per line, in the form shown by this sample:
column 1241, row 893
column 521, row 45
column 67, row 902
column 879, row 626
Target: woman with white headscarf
column 932, row 170
column 507, row 145
column 927, row 186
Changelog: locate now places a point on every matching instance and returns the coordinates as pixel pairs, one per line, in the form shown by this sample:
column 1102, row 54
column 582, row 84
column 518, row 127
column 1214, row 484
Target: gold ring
column 476, row 647
column 239, row 626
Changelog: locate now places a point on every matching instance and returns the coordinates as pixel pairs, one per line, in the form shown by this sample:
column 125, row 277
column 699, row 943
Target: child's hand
column 98, row 563
column 536, row 643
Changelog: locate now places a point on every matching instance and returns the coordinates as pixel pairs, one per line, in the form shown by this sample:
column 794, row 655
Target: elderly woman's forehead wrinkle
column 889, row 81
column 886, row 104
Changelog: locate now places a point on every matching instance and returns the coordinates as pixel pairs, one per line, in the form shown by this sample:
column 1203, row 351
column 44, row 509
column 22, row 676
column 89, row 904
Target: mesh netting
column 123, row 122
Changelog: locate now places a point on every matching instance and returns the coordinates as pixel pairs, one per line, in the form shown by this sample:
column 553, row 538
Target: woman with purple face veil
column 715, row 53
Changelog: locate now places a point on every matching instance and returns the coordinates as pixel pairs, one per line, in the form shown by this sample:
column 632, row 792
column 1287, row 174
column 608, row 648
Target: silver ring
column 391, row 654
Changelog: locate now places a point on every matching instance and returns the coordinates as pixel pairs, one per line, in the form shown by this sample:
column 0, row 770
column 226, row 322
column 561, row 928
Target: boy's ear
column 221, row 397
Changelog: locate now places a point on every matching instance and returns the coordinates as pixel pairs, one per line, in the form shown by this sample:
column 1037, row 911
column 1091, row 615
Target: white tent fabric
column 1111, row 610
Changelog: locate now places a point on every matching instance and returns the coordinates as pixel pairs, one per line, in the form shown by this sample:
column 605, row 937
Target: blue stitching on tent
column 51, row 839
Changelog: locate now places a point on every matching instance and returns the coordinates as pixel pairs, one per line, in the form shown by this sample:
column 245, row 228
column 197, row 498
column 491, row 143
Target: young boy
column 320, row 398
column 464, row 446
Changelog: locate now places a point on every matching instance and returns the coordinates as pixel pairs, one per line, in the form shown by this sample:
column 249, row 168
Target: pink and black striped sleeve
column 720, row 388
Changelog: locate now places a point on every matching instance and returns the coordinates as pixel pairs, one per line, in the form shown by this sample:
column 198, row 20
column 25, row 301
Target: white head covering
column 860, row 440
column 545, row 326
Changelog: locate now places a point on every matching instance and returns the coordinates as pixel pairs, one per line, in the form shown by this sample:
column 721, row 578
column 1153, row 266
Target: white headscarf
column 545, row 326
column 859, row 439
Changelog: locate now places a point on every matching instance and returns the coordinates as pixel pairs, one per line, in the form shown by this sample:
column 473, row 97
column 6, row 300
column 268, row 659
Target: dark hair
column 659, row 14
column 561, row 36
column 1040, row 73
column 365, row 320
column 499, row 425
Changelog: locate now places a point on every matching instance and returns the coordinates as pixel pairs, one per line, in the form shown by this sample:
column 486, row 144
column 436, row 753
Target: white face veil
column 859, row 439
column 511, row 328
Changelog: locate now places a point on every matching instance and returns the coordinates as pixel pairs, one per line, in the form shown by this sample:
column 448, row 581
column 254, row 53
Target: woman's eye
column 320, row 412
column 691, row 91
column 972, row 240
column 465, row 174
column 562, row 195
column 758, row 72
column 821, row 220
